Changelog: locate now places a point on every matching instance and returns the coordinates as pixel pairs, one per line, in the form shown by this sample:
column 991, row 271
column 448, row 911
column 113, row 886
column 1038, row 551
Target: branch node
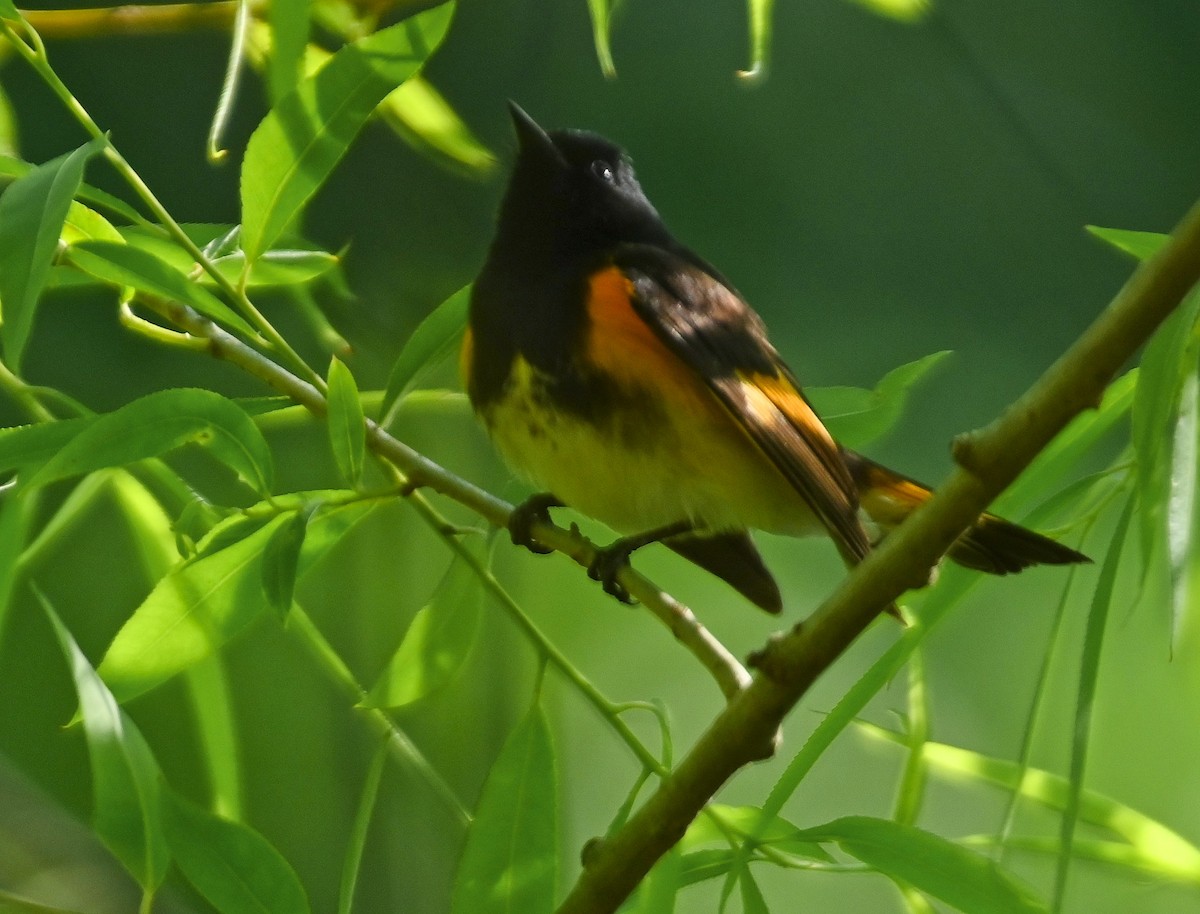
column 590, row 852
column 965, row 450
column 771, row 661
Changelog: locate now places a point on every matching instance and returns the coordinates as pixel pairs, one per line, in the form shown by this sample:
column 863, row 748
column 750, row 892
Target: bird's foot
column 533, row 510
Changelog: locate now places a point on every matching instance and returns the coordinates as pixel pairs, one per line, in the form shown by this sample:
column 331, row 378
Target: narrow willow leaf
column 190, row 614
column 601, row 12
column 9, row 140
column 510, row 860
column 437, row 643
column 278, row 267
column 753, row 901
column 967, row 881
column 347, row 434
column 124, row 265
column 423, row 116
column 9, row 11
column 1166, row 361
column 1183, row 508
column 775, row 831
column 759, row 13
column 281, row 557
column 362, row 824
column 1141, row 245
column 230, row 864
column 1174, row 856
column 26, row 446
column 14, row 904
column 434, row 337
column 32, row 212
column 857, row 416
column 85, row 224
column 900, row 10
column 126, row 781
column 1089, row 675
column 159, row 423
column 15, row 513
column 289, row 37
column 305, row 135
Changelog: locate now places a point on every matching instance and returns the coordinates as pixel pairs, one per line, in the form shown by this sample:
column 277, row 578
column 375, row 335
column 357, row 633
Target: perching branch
column 420, row 471
column 989, row 460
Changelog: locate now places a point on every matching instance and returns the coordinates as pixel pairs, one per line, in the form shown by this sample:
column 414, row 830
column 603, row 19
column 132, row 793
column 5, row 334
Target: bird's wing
column 710, row 327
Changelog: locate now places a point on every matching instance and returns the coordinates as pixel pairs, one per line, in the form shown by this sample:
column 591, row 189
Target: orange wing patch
column 767, row 393
column 889, row 498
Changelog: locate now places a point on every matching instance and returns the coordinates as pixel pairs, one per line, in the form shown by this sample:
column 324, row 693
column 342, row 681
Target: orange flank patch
column 625, row 347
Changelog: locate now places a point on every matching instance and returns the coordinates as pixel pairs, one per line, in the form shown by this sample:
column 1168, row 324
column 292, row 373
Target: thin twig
column 725, row 668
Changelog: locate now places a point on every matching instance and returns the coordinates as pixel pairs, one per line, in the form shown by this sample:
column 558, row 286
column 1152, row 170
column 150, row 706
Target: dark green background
column 889, row 191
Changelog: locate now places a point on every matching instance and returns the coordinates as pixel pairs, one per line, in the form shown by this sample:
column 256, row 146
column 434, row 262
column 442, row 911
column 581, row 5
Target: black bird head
column 574, row 192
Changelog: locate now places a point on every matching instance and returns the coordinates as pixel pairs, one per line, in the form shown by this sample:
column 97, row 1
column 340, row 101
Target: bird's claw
column 608, row 563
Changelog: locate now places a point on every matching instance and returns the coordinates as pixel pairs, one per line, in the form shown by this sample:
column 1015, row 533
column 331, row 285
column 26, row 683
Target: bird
column 626, row 378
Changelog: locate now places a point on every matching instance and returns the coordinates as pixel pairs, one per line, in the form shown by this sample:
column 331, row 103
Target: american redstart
column 620, row 371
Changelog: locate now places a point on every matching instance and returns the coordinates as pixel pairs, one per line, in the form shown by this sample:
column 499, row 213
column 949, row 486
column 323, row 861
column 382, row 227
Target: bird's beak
column 530, row 136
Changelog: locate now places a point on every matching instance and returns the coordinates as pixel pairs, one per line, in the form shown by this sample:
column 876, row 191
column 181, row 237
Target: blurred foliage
column 237, row 607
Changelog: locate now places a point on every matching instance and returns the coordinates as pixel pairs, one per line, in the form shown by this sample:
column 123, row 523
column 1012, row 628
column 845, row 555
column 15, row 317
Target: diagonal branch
column 989, row 460
column 729, row 674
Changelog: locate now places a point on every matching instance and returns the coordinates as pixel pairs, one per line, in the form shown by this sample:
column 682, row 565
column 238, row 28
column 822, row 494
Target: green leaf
column 510, row 860
column 32, row 212
column 759, row 13
column 24, row 446
column 437, row 643
column 657, row 892
column 347, row 434
column 1166, row 361
column 16, row 510
column 126, row 781
column 1089, row 675
column 14, row 904
column 190, row 614
column 281, row 556
column 752, row 896
column 1183, row 509
column 85, row 224
column 230, row 864
column 9, row 141
column 1141, row 245
column 857, row 416
column 419, row 113
column 967, row 881
column 900, row 10
column 601, row 12
column 289, row 37
column 362, row 825
column 775, row 831
column 125, row 265
column 9, row 11
column 305, row 135
column 434, row 337
column 1164, row 853
column 156, row 424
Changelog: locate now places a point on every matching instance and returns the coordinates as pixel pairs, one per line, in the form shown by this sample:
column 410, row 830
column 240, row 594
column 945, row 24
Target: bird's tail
column 991, row 544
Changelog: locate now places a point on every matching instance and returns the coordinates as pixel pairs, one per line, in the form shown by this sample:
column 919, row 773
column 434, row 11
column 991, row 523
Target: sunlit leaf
column 85, row 224
column 9, row 11
column 510, row 861
column 419, row 112
column 156, row 424
column 305, row 135
column 9, row 141
column 32, row 212
column 126, row 781
column 125, row 265
column 753, row 901
column 289, row 36
column 750, row 820
column 900, row 10
column 230, row 864
column 434, row 337
column 438, row 641
column 1141, row 245
column 759, row 13
column 601, row 12
column 856, row 416
column 347, row 434
column 1164, row 851
column 24, row 446
column 1183, row 508
column 968, row 881
column 191, row 613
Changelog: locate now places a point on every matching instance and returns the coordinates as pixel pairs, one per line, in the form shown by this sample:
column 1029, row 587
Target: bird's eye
column 602, row 170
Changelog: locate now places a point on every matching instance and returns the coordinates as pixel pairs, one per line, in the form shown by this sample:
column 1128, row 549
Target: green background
column 889, row 191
